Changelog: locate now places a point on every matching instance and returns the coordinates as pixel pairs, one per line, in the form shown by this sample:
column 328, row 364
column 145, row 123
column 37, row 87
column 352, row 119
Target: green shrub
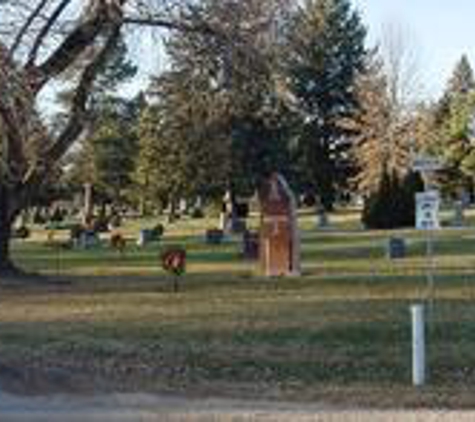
column 393, row 204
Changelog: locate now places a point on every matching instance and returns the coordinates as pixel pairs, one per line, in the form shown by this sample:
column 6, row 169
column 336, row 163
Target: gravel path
column 147, row 408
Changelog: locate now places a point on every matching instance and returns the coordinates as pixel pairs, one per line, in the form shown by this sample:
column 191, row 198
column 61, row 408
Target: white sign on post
column 427, row 210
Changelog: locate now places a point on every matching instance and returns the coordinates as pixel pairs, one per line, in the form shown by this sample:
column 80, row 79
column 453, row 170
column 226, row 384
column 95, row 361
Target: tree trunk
column 6, row 227
column 172, row 213
column 88, row 204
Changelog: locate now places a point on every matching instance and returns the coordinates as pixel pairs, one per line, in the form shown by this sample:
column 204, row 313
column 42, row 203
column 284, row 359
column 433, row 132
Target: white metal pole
column 430, row 246
column 430, row 264
column 418, row 345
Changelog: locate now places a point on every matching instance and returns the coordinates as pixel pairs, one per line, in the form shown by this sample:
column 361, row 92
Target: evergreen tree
column 218, row 105
column 454, row 119
column 326, row 52
column 392, row 205
column 156, row 171
column 460, row 83
column 106, row 157
column 113, row 150
column 193, row 151
column 462, row 80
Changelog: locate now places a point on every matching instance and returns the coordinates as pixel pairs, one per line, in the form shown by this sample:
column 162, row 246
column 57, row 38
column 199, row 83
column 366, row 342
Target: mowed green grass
column 340, row 333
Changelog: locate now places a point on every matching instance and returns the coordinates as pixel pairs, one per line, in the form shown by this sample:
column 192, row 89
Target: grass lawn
column 340, row 333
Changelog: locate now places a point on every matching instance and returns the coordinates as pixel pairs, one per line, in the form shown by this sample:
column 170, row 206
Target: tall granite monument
column 278, row 238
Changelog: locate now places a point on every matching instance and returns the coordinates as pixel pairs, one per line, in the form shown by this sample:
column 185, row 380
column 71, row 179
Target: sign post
column 427, row 209
column 427, row 218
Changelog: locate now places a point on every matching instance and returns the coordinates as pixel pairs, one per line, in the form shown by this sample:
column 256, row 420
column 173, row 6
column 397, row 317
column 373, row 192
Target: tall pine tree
column 219, row 99
column 106, row 157
column 462, row 80
column 454, row 118
column 326, row 52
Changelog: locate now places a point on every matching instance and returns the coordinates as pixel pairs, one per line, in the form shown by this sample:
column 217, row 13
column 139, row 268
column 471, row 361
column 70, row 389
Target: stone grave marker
column 250, row 245
column 214, row 236
column 396, row 248
column 144, row 238
column 459, row 217
column 322, row 217
column 279, row 241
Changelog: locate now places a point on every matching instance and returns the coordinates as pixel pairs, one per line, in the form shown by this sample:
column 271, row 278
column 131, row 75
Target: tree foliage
column 454, row 118
column 41, row 41
column 105, row 158
column 326, row 52
column 392, row 205
column 218, row 103
column 383, row 131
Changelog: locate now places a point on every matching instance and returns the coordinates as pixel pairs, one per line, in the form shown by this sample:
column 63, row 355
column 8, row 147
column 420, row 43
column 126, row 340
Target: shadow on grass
column 365, row 343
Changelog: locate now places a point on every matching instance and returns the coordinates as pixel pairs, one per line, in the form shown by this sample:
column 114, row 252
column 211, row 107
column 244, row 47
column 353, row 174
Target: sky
column 437, row 31
column 440, row 31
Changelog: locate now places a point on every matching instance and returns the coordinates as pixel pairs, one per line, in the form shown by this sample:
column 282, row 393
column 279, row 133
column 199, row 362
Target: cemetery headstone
column 459, row 219
column 214, row 236
column 225, row 217
column 250, row 245
column 89, row 239
column 396, row 248
column 233, row 215
column 75, row 233
column 322, row 217
column 465, row 198
column 144, row 237
column 279, row 241
column 223, row 220
column 147, row 236
column 183, row 206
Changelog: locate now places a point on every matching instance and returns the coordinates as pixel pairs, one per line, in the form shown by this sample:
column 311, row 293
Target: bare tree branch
column 45, row 30
column 102, row 15
column 81, row 38
column 170, row 24
column 78, row 113
column 34, row 14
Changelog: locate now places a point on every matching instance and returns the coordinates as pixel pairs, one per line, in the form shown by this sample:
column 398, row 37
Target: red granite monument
column 279, row 241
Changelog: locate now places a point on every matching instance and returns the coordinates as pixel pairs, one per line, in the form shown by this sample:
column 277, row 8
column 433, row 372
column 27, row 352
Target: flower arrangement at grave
column 117, row 242
column 173, row 262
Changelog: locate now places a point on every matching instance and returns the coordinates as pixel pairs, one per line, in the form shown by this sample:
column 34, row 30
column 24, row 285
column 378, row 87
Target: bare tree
column 388, row 93
column 401, row 62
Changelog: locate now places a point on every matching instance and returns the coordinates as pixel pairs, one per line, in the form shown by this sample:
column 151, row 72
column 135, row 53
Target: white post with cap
column 418, row 345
